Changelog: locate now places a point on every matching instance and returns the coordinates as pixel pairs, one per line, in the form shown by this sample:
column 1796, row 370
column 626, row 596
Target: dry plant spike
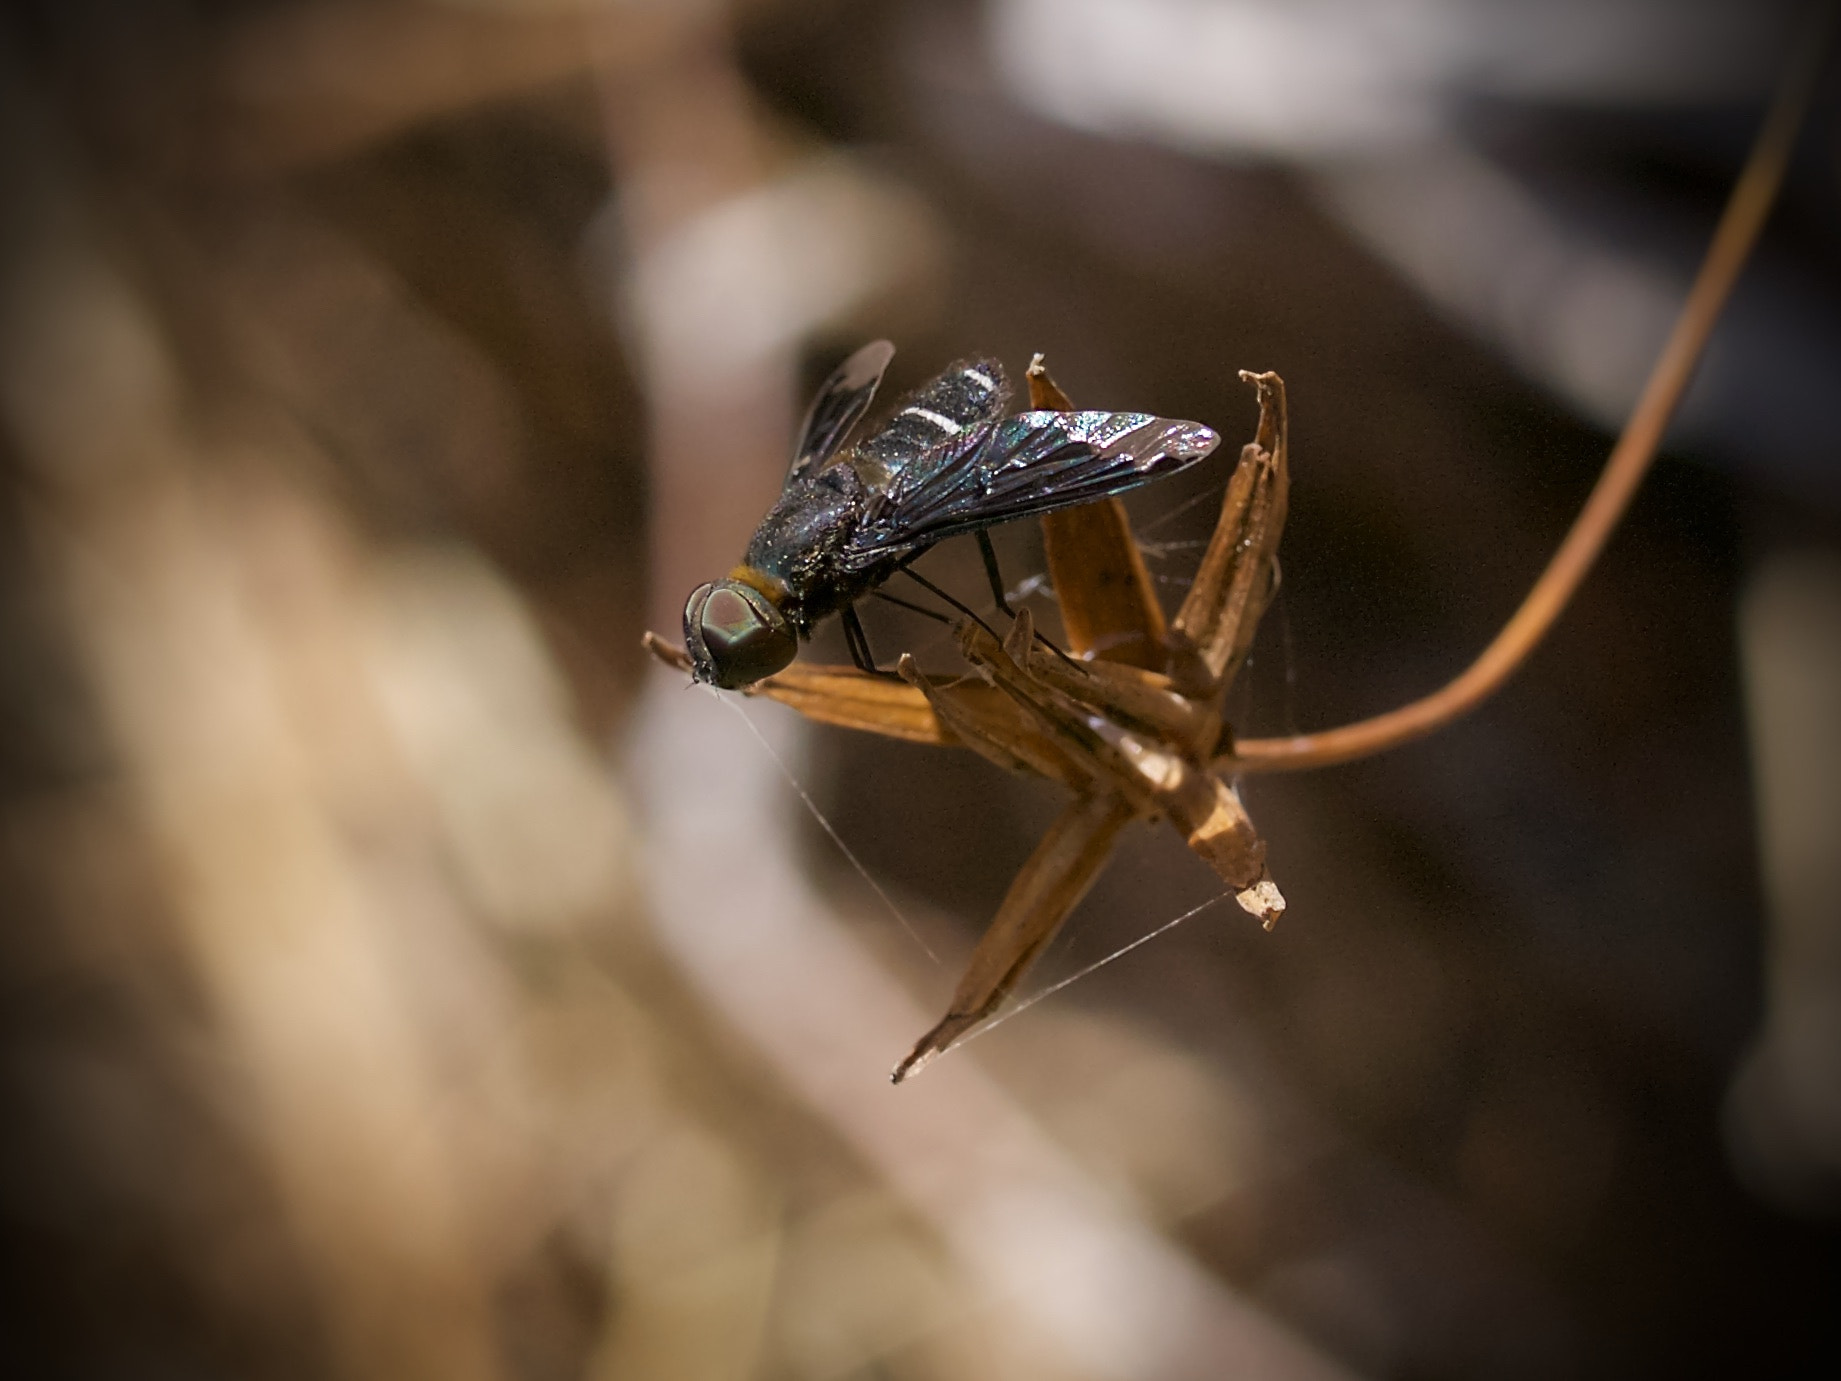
column 1234, row 580
column 1109, row 607
column 674, row 657
column 1204, row 809
column 1131, row 775
column 850, row 699
column 1050, row 885
column 1145, row 700
column 992, row 724
column 1045, row 394
column 1066, row 720
column 1153, row 773
column 843, row 696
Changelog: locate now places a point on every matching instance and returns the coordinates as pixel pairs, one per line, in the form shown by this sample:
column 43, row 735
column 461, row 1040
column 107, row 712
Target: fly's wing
column 843, row 399
column 965, row 394
column 1032, row 463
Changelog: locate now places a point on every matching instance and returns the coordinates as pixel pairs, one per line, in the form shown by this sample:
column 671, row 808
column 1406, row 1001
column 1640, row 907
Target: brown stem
column 1738, row 230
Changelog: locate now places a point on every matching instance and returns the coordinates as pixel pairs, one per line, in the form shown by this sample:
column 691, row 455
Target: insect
column 945, row 464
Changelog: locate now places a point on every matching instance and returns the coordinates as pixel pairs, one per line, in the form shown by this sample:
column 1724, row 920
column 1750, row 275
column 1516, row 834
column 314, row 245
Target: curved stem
column 1738, row 231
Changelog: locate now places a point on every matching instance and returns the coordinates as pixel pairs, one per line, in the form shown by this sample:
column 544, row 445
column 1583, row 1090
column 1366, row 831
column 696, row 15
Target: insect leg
column 989, row 553
column 906, row 568
column 911, row 606
column 927, row 584
column 858, row 643
column 914, row 556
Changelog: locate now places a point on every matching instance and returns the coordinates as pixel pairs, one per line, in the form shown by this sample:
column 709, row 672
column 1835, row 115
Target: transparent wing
column 1032, row 463
column 843, row 399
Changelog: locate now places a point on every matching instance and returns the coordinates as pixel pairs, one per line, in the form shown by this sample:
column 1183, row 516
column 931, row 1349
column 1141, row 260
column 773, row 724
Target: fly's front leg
column 858, row 642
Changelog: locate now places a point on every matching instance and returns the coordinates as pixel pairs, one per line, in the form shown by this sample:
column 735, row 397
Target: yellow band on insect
column 759, row 580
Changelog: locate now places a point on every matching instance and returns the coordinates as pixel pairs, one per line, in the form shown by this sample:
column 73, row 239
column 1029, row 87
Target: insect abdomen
column 967, row 393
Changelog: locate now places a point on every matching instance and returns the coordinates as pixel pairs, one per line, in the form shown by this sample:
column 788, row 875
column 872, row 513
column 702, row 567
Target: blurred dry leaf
column 317, row 80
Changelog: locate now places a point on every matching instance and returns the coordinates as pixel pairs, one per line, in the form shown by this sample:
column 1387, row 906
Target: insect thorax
column 800, row 541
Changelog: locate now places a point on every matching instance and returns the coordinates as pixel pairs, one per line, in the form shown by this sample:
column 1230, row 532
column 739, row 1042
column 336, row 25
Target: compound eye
column 745, row 641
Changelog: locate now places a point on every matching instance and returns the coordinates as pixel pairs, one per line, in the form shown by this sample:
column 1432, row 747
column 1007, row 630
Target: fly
column 945, row 464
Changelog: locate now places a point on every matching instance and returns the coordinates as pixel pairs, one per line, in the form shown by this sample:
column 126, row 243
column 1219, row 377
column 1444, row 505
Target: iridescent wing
column 1032, row 463
column 840, row 403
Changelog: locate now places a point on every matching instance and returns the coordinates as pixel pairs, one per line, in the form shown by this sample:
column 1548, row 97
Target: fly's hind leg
column 995, row 576
column 907, row 568
column 989, row 553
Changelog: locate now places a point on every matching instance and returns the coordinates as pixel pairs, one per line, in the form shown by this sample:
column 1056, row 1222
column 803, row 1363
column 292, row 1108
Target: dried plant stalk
column 1145, row 700
column 843, row 696
column 1109, row 607
column 849, row 699
column 1152, row 772
column 1050, row 885
column 1235, row 579
column 997, row 727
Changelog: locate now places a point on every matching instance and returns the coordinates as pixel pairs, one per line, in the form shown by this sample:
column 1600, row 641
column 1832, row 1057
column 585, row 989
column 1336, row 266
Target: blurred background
column 402, row 978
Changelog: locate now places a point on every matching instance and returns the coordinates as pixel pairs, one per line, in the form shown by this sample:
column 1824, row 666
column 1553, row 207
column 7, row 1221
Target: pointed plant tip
column 1265, row 383
column 917, row 1060
column 665, row 652
column 1022, row 634
column 931, row 1046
